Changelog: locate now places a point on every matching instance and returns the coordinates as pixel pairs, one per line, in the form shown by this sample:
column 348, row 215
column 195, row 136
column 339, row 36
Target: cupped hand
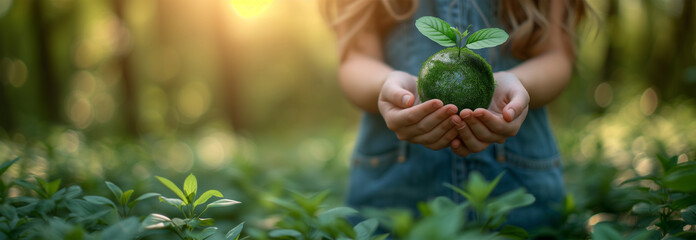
column 482, row 127
column 430, row 123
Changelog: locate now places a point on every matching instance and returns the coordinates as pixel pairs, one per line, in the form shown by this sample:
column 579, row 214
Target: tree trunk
column 50, row 90
column 129, row 88
column 229, row 80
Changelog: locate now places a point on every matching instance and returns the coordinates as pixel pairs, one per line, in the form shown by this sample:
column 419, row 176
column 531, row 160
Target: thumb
column 517, row 105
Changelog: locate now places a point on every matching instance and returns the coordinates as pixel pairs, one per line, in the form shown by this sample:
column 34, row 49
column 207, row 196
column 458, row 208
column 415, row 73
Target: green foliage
column 191, row 226
column 306, row 217
column 443, row 219
column 60, row 213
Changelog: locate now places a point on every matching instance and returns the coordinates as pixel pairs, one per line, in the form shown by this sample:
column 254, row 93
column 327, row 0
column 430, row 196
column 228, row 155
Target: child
column 406, row 149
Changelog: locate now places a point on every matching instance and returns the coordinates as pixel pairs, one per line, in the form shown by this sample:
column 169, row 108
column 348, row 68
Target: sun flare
column 250, row 8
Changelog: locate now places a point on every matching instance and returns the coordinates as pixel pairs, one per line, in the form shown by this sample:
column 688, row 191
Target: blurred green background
column 248, row 100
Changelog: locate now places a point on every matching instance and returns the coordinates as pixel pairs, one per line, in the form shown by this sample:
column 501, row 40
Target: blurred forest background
column 123, row 90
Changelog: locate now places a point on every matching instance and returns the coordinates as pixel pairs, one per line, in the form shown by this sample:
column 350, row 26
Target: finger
column 518, row 102
column 444, row 140
column 494, row 122
column 398, row 95
column 480, row 130
column 458, row 148
column 409, row 116
column 437, row 132
column 469, row 140
column 435, row 122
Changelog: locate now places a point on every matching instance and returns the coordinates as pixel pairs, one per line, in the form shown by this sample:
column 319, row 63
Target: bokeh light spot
column 193, row 100
column 104, row 107
column 84, row 82
column 648, row 102
column 211, row 151
column 180, row 157
column 603, row 94
column 17, row 73
column 5, row 5
column 250, row 8
column 80, row 111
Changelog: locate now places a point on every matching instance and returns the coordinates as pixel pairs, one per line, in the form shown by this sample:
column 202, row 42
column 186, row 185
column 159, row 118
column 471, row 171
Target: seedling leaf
column 487, row 37
column 437, row 30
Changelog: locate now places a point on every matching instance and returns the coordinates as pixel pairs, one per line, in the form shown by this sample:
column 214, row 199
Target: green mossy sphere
column 464, row 79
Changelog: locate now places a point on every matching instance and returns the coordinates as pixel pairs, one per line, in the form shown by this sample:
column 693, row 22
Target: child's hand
column 482, row 127
column 430, row 123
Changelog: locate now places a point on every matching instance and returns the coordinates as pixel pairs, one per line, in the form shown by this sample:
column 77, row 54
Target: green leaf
column 205, row 196
column 338, row 212
column 206, row 222
column 125, row 229
column 437, row 30
column 172, row 201
column 639, row 178
column 681, row 178
column 513, row 232
column 223, row 203
column 143, row 197
column 173, row 188
column 207, row 232
column 604, row 231
column 7, row 165
column 279, row 233
column 115, row 190
column 365, row 229
column 99, row 200
column 190, row 185
column 125, row 198
column 509, row 201
column 689, row 215
column 49, row 188
column 234, row 233
column 487, row 37
column 381, row 237
column 667, row 163
column 683, row 202
column 147, row 195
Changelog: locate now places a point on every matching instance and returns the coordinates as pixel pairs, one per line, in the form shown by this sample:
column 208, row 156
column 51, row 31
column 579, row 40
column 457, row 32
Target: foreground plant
column 664, row 204
column 306, row 218
column 443, row 219
column 192, row 226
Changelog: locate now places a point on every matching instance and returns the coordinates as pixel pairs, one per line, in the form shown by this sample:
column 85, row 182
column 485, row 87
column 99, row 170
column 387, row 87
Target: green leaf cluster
column 192, row 226
column 306, row 217
column 442, row 33
column 52, row 212
column 443, row 219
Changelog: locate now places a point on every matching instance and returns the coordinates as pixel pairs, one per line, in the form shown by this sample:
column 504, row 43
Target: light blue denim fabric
column 389, row 173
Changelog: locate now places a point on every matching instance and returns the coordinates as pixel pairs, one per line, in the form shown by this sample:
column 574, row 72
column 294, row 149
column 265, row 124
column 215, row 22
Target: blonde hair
column 527, row 21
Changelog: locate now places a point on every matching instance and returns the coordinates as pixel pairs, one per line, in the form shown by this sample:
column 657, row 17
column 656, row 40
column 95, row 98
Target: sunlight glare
column 250, row 8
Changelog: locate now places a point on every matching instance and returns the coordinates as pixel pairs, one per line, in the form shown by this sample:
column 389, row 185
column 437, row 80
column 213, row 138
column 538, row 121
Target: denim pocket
column 377, row 179
column 541, row 177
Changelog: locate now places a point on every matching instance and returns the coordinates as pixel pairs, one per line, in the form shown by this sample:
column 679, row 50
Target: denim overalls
column 389, row 173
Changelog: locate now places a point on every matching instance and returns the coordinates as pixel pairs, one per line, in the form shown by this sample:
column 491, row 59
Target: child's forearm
column 545, row 76
column 361, row 78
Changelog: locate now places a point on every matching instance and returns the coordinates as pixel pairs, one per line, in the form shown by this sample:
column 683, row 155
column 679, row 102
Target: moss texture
column 464, row 79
